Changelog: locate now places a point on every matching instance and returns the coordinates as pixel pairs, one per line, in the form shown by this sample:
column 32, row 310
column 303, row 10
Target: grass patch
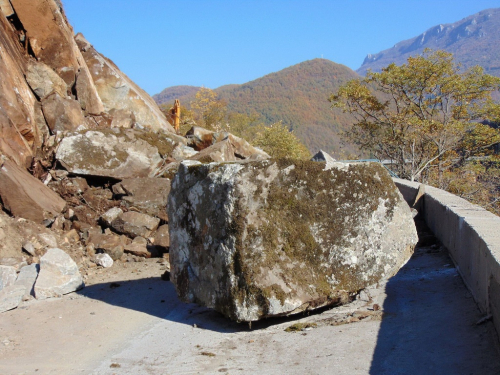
column 297, row 327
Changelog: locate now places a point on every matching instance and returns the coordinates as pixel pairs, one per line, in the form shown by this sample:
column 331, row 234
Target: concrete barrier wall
column 472, row 236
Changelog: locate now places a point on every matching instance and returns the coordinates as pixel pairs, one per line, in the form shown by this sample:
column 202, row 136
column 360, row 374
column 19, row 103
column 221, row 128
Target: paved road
column 427, row 325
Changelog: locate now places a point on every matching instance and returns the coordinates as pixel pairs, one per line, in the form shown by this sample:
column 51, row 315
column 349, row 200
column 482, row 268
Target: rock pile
column 86, row 164
column 86, row 158
column 276, row 237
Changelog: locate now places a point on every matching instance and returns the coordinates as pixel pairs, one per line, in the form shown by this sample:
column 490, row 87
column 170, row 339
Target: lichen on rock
column 277, row 237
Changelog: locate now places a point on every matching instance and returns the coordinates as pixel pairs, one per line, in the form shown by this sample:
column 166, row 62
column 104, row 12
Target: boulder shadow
column 158, row 298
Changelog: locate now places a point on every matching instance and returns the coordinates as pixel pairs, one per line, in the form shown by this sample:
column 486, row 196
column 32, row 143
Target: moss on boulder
column 277, row 237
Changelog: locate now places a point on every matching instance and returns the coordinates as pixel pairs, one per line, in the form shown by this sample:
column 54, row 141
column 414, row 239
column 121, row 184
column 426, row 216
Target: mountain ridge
column 474, row 40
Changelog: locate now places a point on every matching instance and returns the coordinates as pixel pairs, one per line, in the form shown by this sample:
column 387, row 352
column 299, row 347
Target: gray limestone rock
column 58, row 275
column 8, row 276
column 278, row 237
column 111, row 153
column 11, row 297
column 29, row 248
column 27, row 278
column 111, row 215
column 103, row 260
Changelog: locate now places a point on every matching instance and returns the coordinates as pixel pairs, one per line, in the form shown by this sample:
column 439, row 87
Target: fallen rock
column 138, row 249
column 135, row 224
column 122, row 119
column 27, row 278
column 8, row 276
column 182, row 152
column 219, row 152
column 110, row 244
column 149, row 195
column 62, row 114
column 200, row 138
column 278, row 237
column 103, row 260
column 109, row 153
column 244, row 150
column 44, row 81
column 29, row 248
column 48, row 239
column 58, row 275
column 162, row 238
column 16, row 262
column 111, row 215
column 25, row 196
column 6, row 8
column 11, row 297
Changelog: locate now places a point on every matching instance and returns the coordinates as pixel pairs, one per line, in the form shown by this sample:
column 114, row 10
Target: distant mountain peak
column 474, row 40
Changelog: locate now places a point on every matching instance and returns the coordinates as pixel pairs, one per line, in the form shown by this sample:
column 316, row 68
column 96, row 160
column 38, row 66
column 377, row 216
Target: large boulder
column 111, row 153
column 277, row 237
column 58, row 275
column 25, row 196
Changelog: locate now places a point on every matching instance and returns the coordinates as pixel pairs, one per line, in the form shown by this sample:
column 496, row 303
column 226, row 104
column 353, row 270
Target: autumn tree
column 425, row 116
column 279, row 142
column 210, row 111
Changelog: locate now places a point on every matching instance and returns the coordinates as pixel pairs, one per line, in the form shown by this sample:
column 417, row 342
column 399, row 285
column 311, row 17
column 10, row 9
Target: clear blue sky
column 162, row 43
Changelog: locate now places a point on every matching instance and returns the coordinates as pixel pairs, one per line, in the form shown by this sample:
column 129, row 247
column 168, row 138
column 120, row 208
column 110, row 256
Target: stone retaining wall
column 472, row 236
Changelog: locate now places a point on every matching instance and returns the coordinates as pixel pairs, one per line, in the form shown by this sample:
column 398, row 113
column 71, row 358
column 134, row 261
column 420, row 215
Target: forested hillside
column 297, row 96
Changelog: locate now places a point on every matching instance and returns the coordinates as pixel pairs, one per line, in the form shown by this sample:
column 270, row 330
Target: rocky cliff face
column 52, row 82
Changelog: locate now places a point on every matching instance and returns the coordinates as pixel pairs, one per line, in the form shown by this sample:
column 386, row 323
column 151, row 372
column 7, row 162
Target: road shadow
column 429, row 322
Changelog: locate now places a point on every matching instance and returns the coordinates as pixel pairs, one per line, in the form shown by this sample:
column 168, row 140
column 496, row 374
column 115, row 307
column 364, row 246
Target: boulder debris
column 277, row 237
column 58, row 275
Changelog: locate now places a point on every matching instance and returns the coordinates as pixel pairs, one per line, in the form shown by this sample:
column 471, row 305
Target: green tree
column 279, row 142
column 424, row 115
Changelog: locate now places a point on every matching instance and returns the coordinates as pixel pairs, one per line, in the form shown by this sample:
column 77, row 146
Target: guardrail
column 470, row 233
